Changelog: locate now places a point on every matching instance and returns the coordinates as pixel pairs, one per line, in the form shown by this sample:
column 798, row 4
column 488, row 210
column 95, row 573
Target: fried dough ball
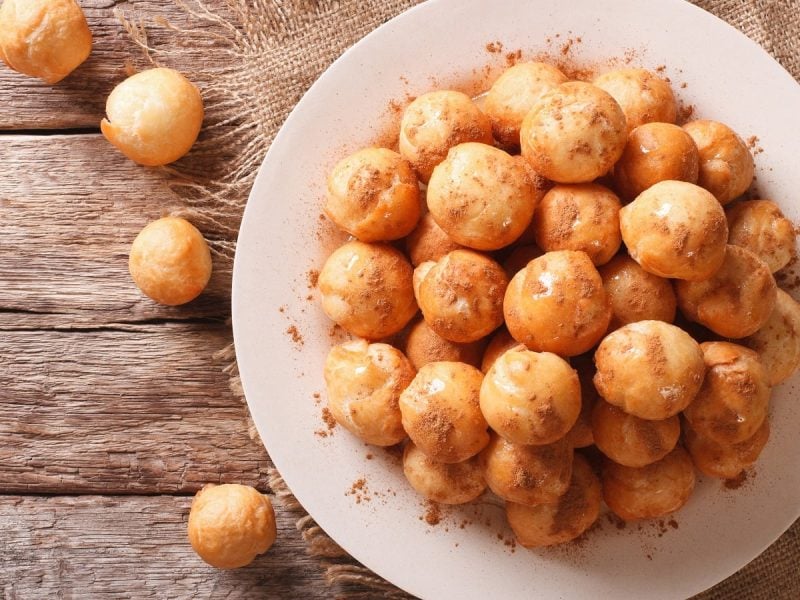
column 446, row 483
column 726, row 165
column 461, row 296
column 481, row 196
column 231, row 524
column 373, row 195
column 734, row 399
column 649, row 369
column 420, row 273
column 643, row 96
column 582, row 216
column 441, row 411
column 581, row 436
column 424, row 345
column 367, row 289
column 635, row 294
column 778, row 341
column 435, row 122
column 574, row 133
column 759, row 226
column 647, row 492
column 500, row 342
column 47, row 39
column 569, row 517
column 725, row 461
column 170, row 261
column 675, row 229
column 428, row 242
column 531, row 397
column 557, row 304
column 364, row 382
column 154, row 117
column 736, row 301
column 520, row 257
column 655, row 152
column 513, row 95
column 631, row 441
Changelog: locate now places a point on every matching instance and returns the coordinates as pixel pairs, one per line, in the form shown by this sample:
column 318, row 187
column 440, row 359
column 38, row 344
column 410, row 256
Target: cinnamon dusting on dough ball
column 643, row 96
column 445, row 483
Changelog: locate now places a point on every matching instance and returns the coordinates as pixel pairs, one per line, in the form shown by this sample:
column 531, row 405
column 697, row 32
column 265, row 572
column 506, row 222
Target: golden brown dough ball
column 726, row 165
column 500, row 342
column 461, row 296
column 647, row 492
column 649, row 369
column 581, row 436
column 364, row 382
column 47, row 39
column 424, row 345
column 736, row 301
column 635, row 294
column 733, row 402
column 435, row 122
column 527, row 474
column 154, row 117
column 557, row 304
column 367, row 289
column 520, row 257
column 428, row 242
column 574, row 133
column 481, row 196
column 643, row 96
column 574, row 513
column 582, row 216
column 420, row 273
column 513, row 95
column 759, row 226
column 629, row 440
column 231, row 524
column 170, row 261
column 373, row 195
column 655, row 152
column 446, row 483
column 778, row 341
column 725, row 461
column 441, row 411
column 531, row 397
column 675, row 229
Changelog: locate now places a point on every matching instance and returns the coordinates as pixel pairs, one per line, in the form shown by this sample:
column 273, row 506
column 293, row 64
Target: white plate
column 727, row 77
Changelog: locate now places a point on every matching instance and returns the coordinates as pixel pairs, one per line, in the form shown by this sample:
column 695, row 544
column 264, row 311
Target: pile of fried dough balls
column 154, row 118
column 565, row 243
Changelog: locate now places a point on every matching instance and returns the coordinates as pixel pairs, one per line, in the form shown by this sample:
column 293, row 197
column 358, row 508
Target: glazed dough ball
column 373, row 195
column 47, row 39
column 581, row 216
column 424, row 345
column 655, row 152
column 574, row 513
column 154, row 117
column 631, row 441
column 435, row 122
column 574, row 133
column 428, row 242
column 420, row 273
column 733, row 402
column 725, row 461
column 367, row 289
column 581, row 436
column 520, row 257
column 643, row 96
column 453, row 483
column 647, row 492
column 527, row 474
column 675, row 229
column 231, row 524
column 736, row 301
column 759, row 226
column 441, row 413
column 726, row 165
column 778, row 341
column 170, row 261
column 481, row 196
column 531, row 397
column 557, row 304
column 500, row 342
column 461, row 296
column 513, row 95
column 649, row 369
column 635, row 294
column 364, row 382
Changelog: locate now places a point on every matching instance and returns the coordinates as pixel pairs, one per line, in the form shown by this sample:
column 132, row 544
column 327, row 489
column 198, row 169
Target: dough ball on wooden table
column 778, row 341
column 446, row 483
column 759, row 226
column 428, row 242
column 154, row 117
column 643, row 96
column 635, row 294
column 424, row 345
column 231, row 524
column 725, row 461
column 500, row 342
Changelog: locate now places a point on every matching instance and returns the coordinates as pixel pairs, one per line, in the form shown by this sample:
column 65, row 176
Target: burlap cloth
column 276, row 49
